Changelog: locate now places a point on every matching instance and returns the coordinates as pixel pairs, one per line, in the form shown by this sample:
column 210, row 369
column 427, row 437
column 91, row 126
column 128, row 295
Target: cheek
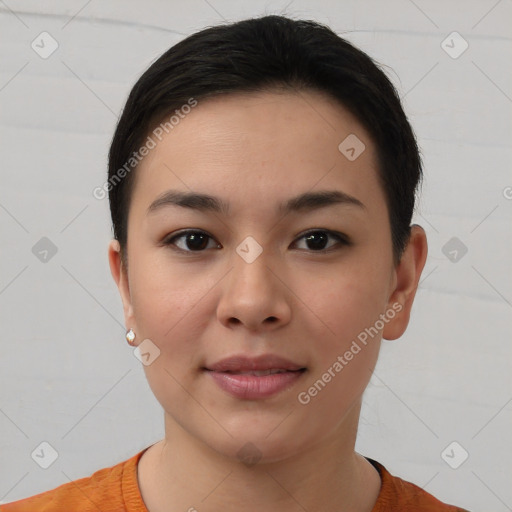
column 346, row 354
column 169, row 306
column 348, row 332
column 351, row 302
column 346, row 348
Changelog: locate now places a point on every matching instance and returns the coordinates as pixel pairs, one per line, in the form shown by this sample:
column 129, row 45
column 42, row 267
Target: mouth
column 254, row 378
column 261, row 373
column 242, row 364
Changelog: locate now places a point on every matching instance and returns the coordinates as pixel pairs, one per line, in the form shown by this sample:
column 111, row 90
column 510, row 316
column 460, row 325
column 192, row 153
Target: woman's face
column 266, row 273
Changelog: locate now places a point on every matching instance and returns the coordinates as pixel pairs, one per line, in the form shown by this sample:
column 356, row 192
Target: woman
column 262, row 181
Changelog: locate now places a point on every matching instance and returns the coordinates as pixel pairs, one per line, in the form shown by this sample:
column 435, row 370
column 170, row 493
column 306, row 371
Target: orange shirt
column 115, row 489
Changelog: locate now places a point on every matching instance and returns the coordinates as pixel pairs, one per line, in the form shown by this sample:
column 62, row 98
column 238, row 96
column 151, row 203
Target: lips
column 260, row 373
column 255, row 378
column 264, row 363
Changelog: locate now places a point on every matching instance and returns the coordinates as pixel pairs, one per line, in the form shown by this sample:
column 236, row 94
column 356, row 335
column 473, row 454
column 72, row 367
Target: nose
column 255, row 296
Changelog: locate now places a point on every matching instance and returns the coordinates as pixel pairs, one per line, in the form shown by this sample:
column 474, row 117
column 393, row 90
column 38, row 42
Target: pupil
column 196, row 241
column 312, row 244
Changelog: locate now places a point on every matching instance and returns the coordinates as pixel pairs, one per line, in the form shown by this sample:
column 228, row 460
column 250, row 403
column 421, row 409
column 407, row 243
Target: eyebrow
column 302, row 203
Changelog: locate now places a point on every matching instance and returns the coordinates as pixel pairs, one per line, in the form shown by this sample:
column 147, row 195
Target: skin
column 255, row 151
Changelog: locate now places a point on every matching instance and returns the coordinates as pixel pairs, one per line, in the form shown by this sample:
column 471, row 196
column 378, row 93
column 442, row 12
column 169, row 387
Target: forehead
column 261, row 147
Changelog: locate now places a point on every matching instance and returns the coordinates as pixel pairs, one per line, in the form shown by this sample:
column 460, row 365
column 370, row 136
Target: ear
column 120, row 275
column 406, row 278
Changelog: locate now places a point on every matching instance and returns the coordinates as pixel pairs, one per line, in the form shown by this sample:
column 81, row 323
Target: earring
column 130, row 337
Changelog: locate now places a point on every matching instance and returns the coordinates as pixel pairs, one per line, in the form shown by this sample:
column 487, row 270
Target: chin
column 252, row 445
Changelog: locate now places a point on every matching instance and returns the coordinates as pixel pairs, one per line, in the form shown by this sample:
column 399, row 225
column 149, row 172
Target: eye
column 198, row 241
column 191, row 241
column 316, row 240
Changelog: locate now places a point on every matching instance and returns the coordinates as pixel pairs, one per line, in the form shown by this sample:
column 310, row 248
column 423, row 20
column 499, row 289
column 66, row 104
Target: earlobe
column 407, row 276
column 120, row 275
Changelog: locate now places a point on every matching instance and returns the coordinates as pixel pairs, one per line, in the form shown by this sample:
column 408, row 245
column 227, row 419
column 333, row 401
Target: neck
column 183, row 473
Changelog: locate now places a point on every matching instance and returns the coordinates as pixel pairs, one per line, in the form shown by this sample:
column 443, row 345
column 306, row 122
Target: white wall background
column 67, row 375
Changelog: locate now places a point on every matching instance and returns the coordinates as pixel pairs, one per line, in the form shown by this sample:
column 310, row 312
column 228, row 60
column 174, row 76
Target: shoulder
column 398, row 495
column 112, row 489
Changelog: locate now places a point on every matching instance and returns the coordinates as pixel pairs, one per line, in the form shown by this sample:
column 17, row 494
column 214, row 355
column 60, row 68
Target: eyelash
column 342, row 239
